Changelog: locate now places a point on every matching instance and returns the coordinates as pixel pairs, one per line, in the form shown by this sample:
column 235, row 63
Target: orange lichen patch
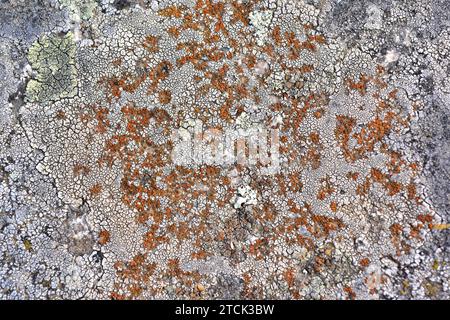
column 319, row 264
column 396, row 230
column 317, row 38
column 165, row 96
column 181, row 230
column 319, row 113
column 314, row 137
column 186, row 277
column 152, row 240
column 241, row 12
column 143, row 217
column 269, row 212
column 305, row 242
column 207, row 19
column 414, row 167
column 396, row 233
column 333, row 206
column 276, row 35
column 425, row 218
column 363, row 188
column 380, row 70
column 326, row 190
column 248, row 291
column 295, row 45
column 318, row 225
column 132, row 277
column 392, row 187
column 80, row 169
column 393, row 94
column 200, row 255
column 117, row 62
column 360, row 86
column 364, row 262
column 174, row 31
column 306, row 68
column 376, row 130
column 124, row 83
column 60, row 115
column 282, row 183
column 218, row 79
column 115, row 86
column 352, row 175
column 224, row 112
column 309, row 46
column 323, row 226
column 289, row 277
column 415, row 232
column 395, row 163
column 137, row 118
column 295, row 184
column 379, row 83
column 197, row 54
column 212, row 9
column 259, row 248
column 188, row 23
column 301, row 108
column 312, row 157
column 411, row 191
column 104, row 237
column 351, row 295
column 180, row 183
column 377, row 175
column 344, row 128
column 151, row 44
column 101, row 115
column 97, row 117
column 250, row 61
column 95, row 189
column 171, row 12
column 367, row 137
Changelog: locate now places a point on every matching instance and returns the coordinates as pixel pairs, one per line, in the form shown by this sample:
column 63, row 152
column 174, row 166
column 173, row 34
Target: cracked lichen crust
column 355, row 94
column 52, row 58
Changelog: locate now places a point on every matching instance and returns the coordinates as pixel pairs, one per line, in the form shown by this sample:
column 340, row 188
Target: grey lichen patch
column 52, row 58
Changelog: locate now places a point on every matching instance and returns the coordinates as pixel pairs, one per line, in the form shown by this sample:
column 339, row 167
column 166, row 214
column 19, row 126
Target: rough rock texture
column 112, row 184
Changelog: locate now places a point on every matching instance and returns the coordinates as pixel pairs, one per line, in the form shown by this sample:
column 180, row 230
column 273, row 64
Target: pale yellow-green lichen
column 52, row 59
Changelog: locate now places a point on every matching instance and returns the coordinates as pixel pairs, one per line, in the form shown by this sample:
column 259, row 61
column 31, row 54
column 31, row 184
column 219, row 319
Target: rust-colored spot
column 103, row 237
column 165, row 96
